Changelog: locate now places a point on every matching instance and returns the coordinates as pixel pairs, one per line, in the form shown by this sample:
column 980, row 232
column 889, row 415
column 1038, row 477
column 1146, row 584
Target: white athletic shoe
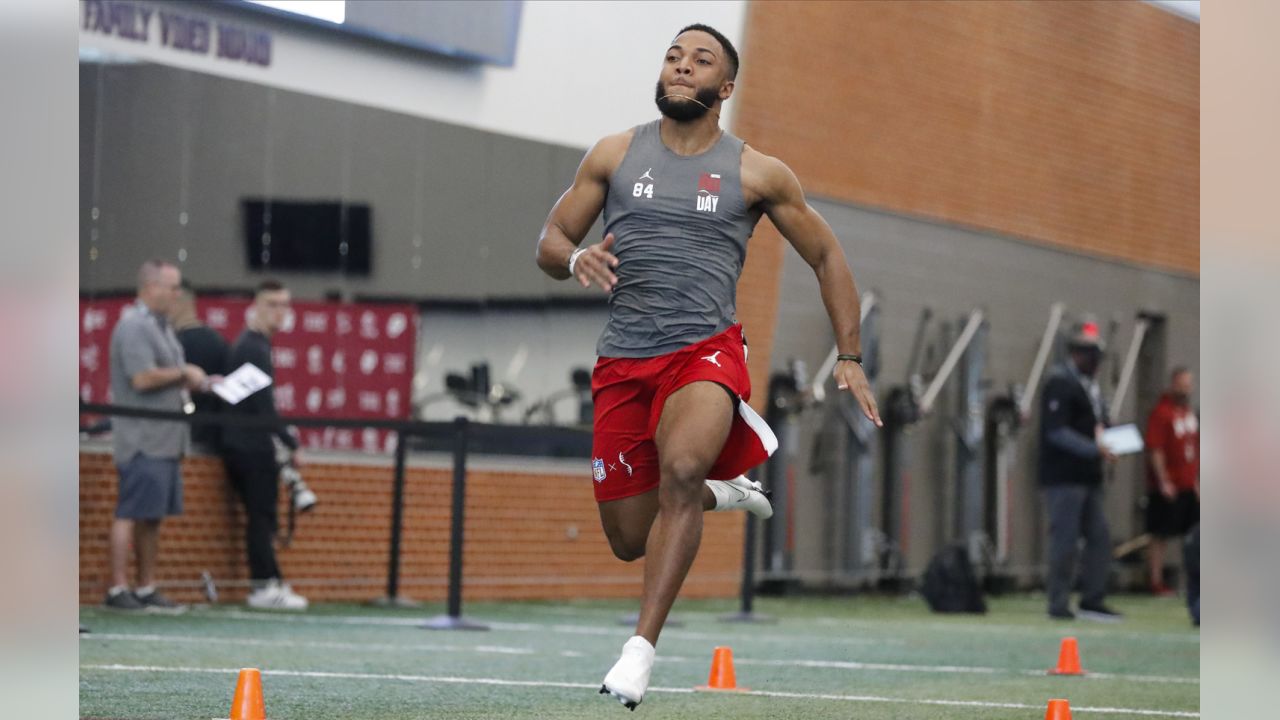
column 629, row 678
column 745, row 483
column 276, row 596
column 741, row 494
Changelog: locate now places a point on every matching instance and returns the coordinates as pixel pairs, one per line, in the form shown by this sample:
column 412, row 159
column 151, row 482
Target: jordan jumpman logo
column 712, row 358
column 646, row 175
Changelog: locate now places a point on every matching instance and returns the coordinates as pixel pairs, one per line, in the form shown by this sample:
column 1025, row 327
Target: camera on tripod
column 302, row 497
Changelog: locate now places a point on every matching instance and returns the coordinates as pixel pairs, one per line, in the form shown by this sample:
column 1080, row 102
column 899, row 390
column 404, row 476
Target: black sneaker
column 157, row 603
column 1100, row 613
column 1063, row 614
column 123, row 600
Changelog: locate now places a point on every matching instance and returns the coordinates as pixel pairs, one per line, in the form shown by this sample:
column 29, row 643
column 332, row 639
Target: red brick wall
column 518, row 537
column 1075, row 124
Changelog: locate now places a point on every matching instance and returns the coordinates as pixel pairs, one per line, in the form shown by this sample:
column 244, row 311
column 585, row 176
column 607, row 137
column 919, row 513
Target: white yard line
column 1076, row 629
column 506, row 650
column 448, row 679
column 962, row 669
column 675, row 634
column 503, row 650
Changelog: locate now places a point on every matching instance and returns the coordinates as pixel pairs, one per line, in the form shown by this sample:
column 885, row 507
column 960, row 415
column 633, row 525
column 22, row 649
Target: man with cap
column 1073, row 416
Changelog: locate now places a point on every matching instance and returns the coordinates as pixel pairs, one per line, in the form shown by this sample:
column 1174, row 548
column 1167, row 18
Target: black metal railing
column 461, row 436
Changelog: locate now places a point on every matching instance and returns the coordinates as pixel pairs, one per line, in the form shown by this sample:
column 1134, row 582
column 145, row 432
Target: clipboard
column 240, row 384
column 1123, row 439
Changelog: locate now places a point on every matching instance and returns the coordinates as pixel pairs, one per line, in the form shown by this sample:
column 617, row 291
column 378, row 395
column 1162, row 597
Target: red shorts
column 629, row 394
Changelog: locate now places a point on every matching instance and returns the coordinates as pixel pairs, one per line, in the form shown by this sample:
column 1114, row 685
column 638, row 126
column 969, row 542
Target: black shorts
column 1172, row 518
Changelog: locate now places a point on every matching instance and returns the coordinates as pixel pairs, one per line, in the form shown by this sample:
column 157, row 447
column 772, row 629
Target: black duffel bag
column 950, row 585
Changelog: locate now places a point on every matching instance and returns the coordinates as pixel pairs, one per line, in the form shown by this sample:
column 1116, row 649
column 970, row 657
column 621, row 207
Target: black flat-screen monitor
column 323, row 236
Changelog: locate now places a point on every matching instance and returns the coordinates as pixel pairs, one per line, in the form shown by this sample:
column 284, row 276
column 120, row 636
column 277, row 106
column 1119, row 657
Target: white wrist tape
column 574, row 258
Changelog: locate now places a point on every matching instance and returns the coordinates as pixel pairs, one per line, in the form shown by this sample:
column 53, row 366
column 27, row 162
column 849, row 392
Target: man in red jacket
column 1173, row 479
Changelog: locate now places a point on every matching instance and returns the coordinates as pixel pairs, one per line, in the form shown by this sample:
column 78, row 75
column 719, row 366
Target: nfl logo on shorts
column 597, row 468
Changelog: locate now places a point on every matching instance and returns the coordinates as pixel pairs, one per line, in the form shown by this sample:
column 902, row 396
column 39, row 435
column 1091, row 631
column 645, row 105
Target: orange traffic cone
column 722, row 677
column 1058, row 710
column 247, row 704
column 1068, row 659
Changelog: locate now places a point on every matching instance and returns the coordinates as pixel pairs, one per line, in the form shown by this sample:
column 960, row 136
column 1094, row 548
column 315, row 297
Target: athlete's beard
column 683, row 109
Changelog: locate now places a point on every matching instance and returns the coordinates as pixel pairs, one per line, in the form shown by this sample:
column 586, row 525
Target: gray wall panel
column 176, row 141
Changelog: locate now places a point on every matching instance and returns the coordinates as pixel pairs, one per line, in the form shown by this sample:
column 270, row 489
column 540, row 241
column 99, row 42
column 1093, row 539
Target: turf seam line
column 525, row 627
column 1190, row 637
column 504, row 650
column 998, row 629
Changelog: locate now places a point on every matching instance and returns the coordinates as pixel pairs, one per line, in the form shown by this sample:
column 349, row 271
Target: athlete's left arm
column 782, row 199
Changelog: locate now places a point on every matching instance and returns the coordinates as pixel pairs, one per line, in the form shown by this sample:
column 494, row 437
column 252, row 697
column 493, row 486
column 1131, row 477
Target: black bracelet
column 850, row 358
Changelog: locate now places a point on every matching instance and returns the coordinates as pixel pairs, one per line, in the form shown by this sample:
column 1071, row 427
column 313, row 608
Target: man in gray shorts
column 672, row 431
column 148, row 370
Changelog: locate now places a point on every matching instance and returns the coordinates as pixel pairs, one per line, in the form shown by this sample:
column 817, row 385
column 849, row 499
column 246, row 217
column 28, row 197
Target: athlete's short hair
column 724, row 43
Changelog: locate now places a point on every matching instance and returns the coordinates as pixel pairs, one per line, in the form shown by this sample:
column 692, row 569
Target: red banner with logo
column 348, row 360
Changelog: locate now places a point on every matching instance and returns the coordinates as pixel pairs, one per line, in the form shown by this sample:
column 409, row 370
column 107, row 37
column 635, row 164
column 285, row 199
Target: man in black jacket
column 1072, row 454
column 250, row 454
column 205, row 349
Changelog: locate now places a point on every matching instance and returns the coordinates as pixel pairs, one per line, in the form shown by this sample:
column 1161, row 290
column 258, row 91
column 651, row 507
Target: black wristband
column 850, row 358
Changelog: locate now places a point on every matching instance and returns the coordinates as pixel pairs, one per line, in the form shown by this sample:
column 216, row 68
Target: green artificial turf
column 865, row 657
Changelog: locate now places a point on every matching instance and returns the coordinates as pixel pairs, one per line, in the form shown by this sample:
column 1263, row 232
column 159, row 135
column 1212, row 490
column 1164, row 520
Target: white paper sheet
column 245, row 381
column 1123, row 439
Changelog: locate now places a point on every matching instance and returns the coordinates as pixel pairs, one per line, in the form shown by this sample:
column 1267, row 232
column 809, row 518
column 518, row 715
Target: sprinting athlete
column 673, row 432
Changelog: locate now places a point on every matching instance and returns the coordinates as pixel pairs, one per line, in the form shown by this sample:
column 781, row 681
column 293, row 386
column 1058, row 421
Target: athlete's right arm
column 574, row 213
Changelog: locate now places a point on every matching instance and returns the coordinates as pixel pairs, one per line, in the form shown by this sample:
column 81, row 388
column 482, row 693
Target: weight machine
column 791, row 394
column 905, row 406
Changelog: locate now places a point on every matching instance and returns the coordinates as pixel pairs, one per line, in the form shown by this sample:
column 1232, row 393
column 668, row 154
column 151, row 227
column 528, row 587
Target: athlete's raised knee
column 625, row 549
column 684, row 471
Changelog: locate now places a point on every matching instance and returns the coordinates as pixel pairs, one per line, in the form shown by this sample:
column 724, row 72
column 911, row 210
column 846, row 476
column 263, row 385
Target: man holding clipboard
column 1072, row 454
column 249, row 453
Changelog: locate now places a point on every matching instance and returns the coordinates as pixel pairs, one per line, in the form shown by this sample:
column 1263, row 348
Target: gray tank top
column 680, row 227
